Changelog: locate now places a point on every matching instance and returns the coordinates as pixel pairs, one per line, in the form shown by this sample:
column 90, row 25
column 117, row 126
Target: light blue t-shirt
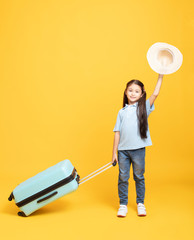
column 127, row 125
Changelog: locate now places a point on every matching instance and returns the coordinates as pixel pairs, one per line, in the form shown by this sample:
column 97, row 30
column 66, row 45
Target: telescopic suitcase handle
column 97, row 172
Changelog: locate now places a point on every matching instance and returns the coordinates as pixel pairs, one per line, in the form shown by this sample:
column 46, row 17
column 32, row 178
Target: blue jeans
column 137, row 158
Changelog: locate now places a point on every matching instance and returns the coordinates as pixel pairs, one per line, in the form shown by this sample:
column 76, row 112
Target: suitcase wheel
column 11, row 197
column 22, row 214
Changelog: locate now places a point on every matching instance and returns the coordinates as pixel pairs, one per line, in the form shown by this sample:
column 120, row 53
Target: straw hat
column 164, row 58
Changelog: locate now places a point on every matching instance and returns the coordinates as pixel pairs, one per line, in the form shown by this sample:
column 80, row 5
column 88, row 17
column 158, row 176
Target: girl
column 131, row 137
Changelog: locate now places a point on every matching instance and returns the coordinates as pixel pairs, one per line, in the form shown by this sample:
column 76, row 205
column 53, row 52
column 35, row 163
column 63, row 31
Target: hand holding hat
column 164, row 58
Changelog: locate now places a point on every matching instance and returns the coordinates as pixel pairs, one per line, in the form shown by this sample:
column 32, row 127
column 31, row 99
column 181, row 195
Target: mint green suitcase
column 45, row 187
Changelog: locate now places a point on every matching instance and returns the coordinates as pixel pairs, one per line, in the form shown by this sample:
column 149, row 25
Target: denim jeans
column 137, row 158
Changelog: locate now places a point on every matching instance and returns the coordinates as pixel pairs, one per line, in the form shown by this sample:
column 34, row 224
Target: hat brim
column 155, row 64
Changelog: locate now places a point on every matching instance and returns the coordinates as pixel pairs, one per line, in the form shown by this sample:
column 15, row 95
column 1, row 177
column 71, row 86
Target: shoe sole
column 142, row 215
column 121, row 216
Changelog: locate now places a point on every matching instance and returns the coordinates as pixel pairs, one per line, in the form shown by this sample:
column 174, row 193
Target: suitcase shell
column 45, row 187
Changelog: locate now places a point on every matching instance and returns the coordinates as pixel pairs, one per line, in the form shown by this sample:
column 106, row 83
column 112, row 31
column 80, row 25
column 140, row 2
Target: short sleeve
column 118, row 123
column 148, row 108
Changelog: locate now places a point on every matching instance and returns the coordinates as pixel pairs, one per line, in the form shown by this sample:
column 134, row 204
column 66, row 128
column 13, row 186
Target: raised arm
column 157, row 89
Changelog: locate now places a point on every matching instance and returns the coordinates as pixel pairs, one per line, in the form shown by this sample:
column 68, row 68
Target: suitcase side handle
column 47, row 197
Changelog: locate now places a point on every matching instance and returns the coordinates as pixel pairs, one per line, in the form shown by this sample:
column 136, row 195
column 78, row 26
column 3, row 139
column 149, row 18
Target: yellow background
column 63, row 69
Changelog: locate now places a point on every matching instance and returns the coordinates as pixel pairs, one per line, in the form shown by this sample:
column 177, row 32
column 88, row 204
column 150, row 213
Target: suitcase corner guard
column 11, row 197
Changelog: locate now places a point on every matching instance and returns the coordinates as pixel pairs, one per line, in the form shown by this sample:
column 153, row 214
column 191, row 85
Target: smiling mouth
column 133, row 99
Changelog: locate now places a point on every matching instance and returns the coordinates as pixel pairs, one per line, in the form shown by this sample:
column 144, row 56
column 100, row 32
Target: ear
column 143, row 93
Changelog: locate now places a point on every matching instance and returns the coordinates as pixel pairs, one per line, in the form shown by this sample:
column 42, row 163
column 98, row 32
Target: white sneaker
column 141, row 210
column 122, row 211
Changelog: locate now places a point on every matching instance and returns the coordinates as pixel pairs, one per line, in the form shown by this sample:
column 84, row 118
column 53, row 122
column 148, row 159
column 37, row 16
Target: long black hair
column 141, row 109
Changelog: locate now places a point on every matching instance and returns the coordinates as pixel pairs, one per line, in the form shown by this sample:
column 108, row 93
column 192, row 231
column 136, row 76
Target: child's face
column 133, row 93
